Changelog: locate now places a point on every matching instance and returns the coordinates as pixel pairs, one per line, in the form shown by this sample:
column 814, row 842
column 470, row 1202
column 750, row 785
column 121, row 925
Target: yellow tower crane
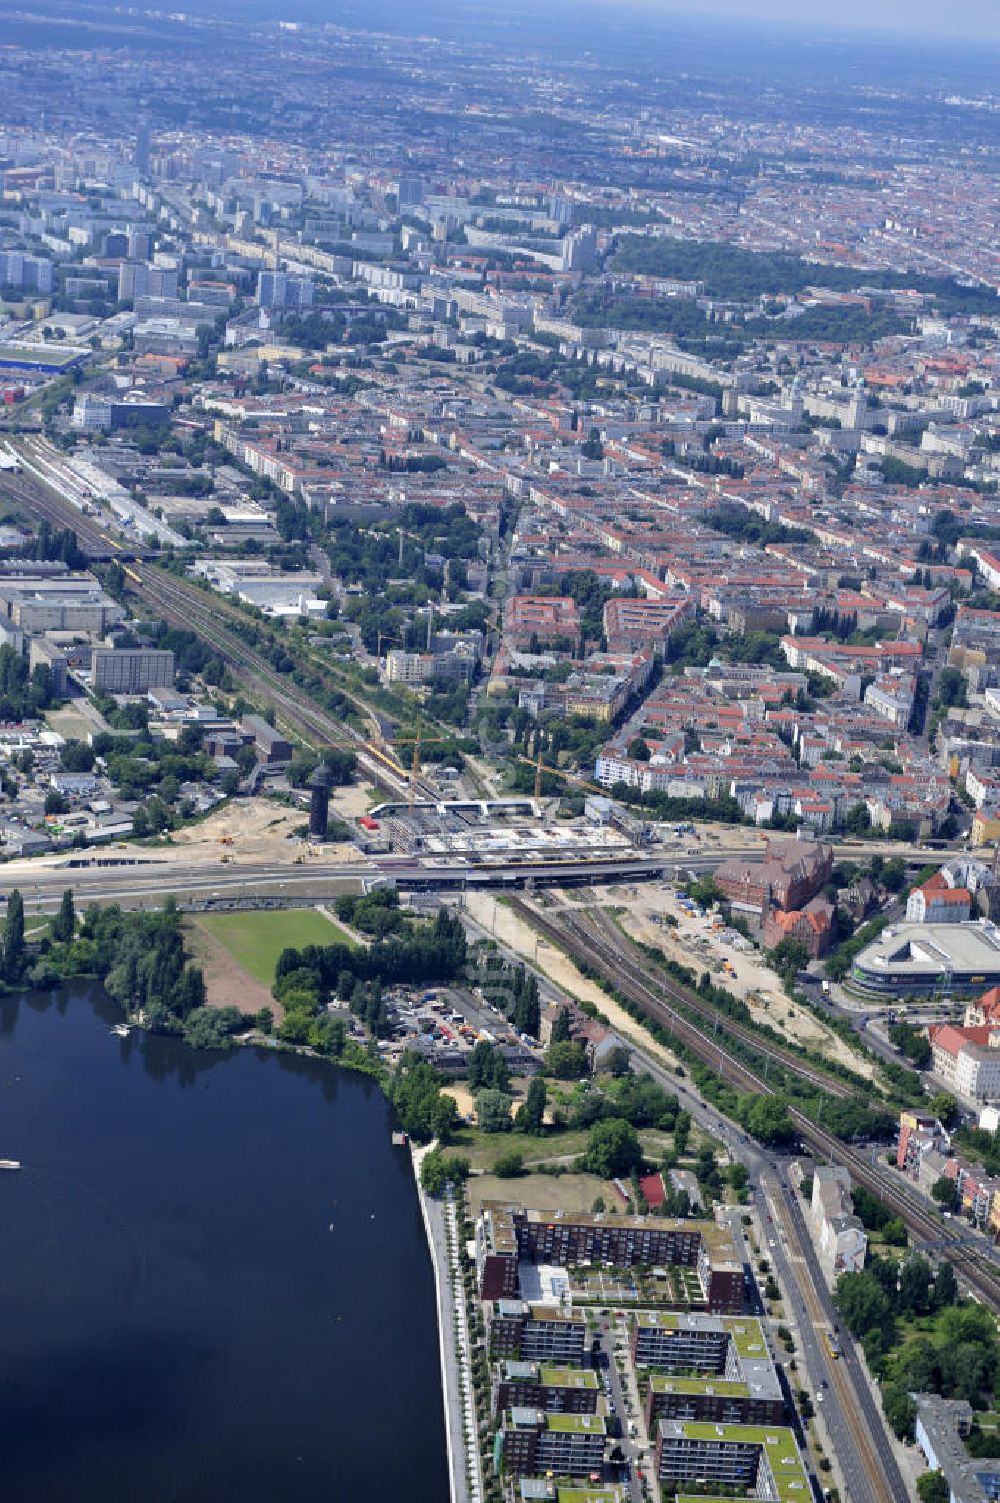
column 418, row 740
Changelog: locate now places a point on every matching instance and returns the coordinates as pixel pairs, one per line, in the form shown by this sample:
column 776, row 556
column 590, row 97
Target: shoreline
column 451, row 1397
column 449, row 1301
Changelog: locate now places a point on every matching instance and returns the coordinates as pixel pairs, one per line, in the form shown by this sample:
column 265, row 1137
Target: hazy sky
column 966, row 18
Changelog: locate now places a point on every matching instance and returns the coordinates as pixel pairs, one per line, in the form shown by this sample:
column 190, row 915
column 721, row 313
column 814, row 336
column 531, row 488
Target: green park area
column 256, row 939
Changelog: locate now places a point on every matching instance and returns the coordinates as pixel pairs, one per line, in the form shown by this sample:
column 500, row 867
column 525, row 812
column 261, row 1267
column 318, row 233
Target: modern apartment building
column 707, row 1368
column 140, row 279
column 569, row 1445
column 19, row 270
column 276, row 289
column 556, row 1490
column 758, row 1459
column 506, row 1234
column 536, row 1333
column 535, row 1385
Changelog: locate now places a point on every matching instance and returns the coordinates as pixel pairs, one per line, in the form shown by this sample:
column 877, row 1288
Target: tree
column 705, row 891
column 526, row 1014
column 857, row 820
column 493, row 1111
column 638, row 749
column 561, row 1033
column 415, row 1092
column 487, row 1067
column 592, row 447
column 265, row 1020
column 439, row 1169
column 789, row 956
column 64, row 922
column 294, row 1028
column 943, row 1191
column 617, row 1061
column 914, row 1044
column 900, row 1410
column 945, row 1287
column 509, row 1165
column 77, row 756
column 766, row 1118
column 862, row 1302
column 531, row 1116
column 933, row 1488
column 613, row 1149
column 945, row 1108
column 682, row 1132
column 913, row 1287
column 55, row 802
column 13, row 939
column 566, row 1061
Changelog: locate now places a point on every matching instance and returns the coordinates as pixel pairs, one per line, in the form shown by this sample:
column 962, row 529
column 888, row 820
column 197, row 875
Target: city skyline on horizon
column 979, row 19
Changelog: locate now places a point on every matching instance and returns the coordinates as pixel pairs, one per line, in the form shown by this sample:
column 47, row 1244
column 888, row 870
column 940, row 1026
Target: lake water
column 214, row 1282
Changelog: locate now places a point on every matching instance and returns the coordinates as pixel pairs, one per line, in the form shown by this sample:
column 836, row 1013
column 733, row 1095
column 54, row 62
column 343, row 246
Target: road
column 855, row 1427
column 134, row 880
column 616, row 1399
column 853, row 1422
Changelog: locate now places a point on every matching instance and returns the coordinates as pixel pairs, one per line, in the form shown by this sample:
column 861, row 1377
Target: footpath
column 461, row 1426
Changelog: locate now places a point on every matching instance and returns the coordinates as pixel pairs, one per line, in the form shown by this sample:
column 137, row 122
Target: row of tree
column 918, row 1335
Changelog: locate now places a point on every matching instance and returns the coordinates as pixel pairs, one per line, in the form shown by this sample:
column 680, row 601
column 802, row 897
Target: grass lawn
column 484, row 1148
column 256, row 939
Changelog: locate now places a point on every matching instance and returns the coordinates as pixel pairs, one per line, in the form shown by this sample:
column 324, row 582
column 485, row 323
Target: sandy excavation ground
column 635, row 907
column 466, row 1101
column 560, row 970
column 259, row 830
column 243, row 832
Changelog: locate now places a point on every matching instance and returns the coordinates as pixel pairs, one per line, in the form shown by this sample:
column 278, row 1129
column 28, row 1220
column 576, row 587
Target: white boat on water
column 10, row 1163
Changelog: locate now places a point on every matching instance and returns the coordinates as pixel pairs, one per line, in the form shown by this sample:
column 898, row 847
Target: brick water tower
column 319, row 801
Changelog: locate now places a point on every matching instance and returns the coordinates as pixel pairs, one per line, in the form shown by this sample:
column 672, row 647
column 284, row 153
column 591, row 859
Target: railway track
column 37, row 499
column 655, row 993
column 659, row 981
column 606, row 956
column 185, row 606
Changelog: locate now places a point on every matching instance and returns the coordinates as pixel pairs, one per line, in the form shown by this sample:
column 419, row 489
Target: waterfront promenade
column 443, row 1233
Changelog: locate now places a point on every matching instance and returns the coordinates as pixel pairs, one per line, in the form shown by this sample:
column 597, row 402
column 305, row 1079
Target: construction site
column 485, row 830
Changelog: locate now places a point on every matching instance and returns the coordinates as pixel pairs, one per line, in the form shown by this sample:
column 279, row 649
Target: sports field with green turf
column 256, row 939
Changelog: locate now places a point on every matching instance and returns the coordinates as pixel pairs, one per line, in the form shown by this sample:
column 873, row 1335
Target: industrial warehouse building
column 131, row 670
